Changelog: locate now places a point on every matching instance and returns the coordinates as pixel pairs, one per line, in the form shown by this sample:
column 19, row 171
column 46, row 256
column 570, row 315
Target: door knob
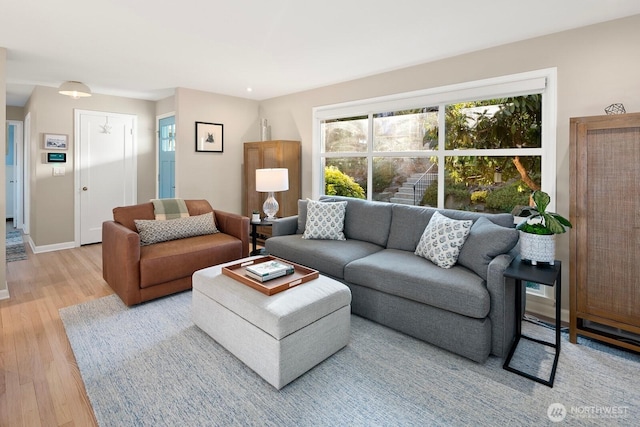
column 84, row 188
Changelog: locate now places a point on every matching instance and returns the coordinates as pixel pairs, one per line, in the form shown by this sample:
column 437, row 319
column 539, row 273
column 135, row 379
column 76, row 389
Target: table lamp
column 269, row 181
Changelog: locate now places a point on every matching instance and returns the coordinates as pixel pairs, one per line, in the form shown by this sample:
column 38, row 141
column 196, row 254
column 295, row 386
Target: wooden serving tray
column 300, row 275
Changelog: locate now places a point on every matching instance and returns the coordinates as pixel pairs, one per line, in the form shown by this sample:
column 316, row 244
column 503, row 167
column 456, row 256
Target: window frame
column 542, row 81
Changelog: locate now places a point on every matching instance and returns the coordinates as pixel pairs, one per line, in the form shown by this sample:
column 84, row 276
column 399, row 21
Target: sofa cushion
column 407, row 225
column 503, row 219
column 198, row 207
column 486, row 240
column 327, row 256
column 325, row 220
column 126, row 215
column 155, row 231
column 169, row 208
column 302, row 216
column 365, row 220
column 177, row 259
column 442, row 239
column 403, row 274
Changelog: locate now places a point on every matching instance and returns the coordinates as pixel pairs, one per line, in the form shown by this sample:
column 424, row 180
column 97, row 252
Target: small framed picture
column 209, row 137
column 55, row 142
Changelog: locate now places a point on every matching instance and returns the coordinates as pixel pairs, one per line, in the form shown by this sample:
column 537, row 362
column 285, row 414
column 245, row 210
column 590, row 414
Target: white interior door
column 105, row 170
column 10, row 178
column 10, row 191
column 14, row 164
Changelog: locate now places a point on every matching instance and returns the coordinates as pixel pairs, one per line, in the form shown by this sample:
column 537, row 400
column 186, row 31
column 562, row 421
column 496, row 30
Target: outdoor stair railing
column 421, row 185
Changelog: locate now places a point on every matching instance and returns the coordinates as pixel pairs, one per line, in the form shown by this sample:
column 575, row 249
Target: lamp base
column 270, row 207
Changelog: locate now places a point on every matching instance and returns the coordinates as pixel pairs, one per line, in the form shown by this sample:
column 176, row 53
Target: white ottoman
column 281, row 336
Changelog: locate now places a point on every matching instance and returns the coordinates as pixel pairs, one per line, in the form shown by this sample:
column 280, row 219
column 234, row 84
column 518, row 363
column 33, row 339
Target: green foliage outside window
column 507, row 197
column 337, row 183
column 514, row 122
column 489, row 183
column 384, row 172
column 500, row 198
column 479, row 196
column 456, row 190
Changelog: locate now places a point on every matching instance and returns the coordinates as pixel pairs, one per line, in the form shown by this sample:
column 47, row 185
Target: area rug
column 15, row 246
column 151, row 366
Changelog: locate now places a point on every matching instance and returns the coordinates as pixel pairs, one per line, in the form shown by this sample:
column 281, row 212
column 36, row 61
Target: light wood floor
column 40, row 384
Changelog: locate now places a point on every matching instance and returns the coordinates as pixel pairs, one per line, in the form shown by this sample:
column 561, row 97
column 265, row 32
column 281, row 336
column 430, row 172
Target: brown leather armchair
column 142, row 273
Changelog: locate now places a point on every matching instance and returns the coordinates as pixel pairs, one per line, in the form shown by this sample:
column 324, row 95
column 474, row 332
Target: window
column 481, row 146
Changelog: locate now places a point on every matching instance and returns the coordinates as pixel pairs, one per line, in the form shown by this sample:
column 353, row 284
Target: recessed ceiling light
column 249, row 89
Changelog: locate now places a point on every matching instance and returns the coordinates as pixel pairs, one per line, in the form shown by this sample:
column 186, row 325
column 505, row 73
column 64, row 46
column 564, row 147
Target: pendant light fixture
column 74, row 89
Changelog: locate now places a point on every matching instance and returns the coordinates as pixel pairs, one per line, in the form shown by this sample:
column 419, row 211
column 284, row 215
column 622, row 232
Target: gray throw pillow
column 156, row 231
column 486, row 240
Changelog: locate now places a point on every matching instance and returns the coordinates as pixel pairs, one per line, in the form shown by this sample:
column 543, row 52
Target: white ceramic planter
column 538, row 247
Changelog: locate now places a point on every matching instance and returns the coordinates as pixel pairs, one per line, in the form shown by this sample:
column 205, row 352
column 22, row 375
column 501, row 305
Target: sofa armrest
column 121, row 261
column 502, row 312
column 285, row 226
column 234, row 225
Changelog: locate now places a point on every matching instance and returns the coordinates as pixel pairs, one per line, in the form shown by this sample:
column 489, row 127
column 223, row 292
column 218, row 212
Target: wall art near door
column 209, row 137
column 55, row 142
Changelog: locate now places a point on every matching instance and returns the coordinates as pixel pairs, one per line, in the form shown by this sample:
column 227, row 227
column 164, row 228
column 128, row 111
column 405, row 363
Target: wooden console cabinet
column 605, row 241
column 272, row 154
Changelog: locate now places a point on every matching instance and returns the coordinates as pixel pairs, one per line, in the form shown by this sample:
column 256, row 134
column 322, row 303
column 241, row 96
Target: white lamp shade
column 272, row 180
column 74, row 89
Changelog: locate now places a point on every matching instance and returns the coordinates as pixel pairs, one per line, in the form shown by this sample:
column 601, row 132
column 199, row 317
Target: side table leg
column 558, row 304
column 254, row 243
column 518, row 307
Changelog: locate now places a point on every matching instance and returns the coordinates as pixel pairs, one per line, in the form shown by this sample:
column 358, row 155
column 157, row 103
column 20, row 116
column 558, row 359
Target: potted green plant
column 539, row 229
column 255, row 216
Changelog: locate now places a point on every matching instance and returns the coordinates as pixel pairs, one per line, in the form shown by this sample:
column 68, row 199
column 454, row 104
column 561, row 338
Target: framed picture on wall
column 55, row 142
column 209, row 137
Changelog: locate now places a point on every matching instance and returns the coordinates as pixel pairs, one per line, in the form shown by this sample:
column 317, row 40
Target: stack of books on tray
column 269, row 270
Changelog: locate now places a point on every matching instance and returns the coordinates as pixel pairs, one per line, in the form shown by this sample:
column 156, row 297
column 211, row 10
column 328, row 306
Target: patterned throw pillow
column 325, row 220
column 442, row 239
column 153, row 231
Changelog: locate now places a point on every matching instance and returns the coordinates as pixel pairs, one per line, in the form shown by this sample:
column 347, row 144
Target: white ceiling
column 146, row 48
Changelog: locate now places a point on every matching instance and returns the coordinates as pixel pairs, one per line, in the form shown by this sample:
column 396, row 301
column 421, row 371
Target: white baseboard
column 50, row 248
column 4, row 293
column 545, row 308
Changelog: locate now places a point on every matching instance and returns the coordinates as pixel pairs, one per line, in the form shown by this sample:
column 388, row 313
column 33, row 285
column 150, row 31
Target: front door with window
column 167, row 157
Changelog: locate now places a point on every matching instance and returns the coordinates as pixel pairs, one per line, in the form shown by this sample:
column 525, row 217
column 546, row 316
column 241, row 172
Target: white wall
column 15, row 113
column 52, row 198
column 216, row 177
column 166, row 105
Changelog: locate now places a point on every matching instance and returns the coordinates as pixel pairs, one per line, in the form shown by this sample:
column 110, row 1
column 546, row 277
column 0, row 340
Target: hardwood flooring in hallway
column 40, row 384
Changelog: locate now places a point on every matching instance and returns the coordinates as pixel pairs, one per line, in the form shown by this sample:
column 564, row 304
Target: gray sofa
column 467, row 309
